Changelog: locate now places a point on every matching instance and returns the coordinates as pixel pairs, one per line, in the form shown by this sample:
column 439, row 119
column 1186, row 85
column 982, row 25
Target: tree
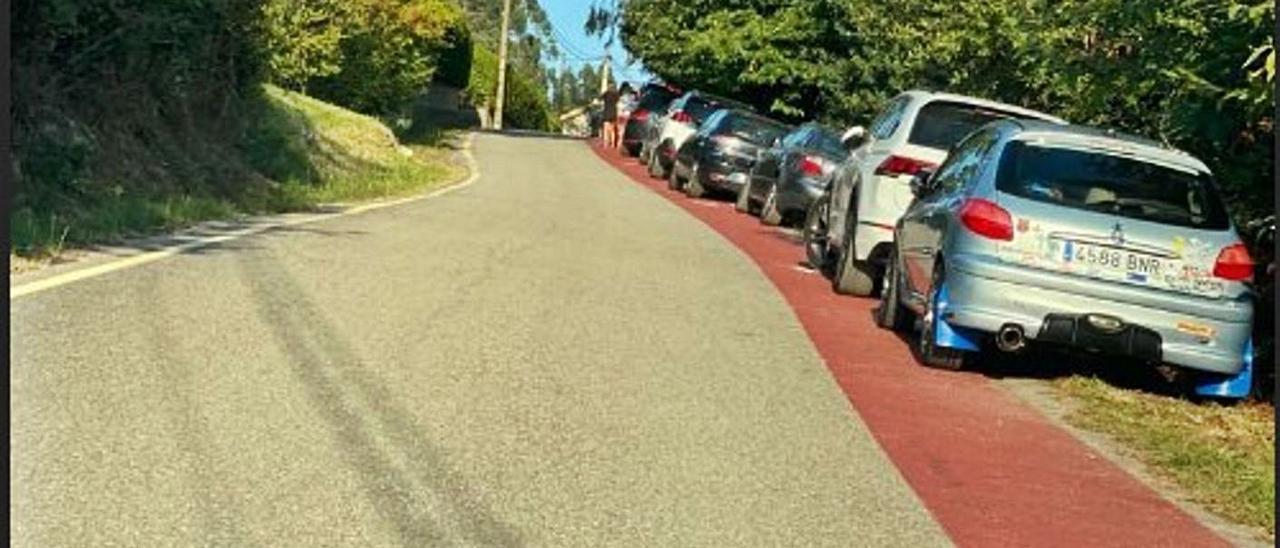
column 1174, row 70
column 302, row 38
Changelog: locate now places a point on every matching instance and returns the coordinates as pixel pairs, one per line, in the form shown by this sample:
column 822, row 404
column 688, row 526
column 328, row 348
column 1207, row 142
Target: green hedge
column 527, row 106
column 372, row 56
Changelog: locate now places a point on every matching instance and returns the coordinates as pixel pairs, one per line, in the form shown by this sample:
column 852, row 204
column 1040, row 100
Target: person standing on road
column 609, row 116
column 626, row 104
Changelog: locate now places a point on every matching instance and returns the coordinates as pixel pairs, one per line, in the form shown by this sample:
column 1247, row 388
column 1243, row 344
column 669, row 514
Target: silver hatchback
column 1073, row 236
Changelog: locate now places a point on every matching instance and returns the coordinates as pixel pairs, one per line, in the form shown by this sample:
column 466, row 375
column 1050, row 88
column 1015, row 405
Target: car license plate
column 738, row 178
column 1112, row 262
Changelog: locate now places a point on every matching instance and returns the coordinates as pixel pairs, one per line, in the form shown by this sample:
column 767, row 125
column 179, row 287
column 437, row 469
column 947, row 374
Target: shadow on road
column 339, row 385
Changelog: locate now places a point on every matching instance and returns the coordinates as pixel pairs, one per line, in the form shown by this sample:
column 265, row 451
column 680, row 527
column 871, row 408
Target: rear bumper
column 795, row 197
column 721, row 175
column 985, row 295
column 634, row 133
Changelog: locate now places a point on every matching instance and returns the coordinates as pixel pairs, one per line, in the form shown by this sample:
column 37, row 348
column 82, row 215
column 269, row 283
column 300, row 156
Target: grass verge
column 295, row 153
column 1223, row 457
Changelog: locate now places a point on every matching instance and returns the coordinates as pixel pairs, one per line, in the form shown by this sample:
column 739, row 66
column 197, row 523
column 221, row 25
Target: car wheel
column 815, row 236
column 892, row 315
column 769, row 213
column 743, row 203
column 693, row 187
column 931, row 354
column 653, row 166
column 673, row 180
column 661, row 170
column 852, row 277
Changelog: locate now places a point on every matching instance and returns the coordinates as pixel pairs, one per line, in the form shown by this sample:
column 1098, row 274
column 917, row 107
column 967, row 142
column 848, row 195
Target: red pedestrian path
column 992, row 470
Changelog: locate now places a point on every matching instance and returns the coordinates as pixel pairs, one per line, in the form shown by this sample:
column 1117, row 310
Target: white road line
column 152, row 256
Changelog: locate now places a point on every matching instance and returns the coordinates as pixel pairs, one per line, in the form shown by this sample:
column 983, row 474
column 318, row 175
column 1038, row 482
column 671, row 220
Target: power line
column 568, row 46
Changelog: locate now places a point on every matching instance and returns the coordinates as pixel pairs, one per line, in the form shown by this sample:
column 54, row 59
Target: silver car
column 1073, row 236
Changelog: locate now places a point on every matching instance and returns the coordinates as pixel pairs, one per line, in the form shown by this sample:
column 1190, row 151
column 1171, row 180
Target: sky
column 568, row 18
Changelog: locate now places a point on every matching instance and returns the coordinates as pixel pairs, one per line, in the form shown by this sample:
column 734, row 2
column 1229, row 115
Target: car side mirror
column 922, row 183
column 853, row 137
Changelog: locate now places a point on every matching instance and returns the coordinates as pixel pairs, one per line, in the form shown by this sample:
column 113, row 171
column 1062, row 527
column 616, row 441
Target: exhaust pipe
column 1010, row 338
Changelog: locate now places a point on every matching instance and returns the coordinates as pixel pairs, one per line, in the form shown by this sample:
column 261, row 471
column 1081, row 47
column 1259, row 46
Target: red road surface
column 992, row 470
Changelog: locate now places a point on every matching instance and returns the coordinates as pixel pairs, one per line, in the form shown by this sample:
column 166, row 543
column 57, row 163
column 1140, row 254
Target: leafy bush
column 526, row 107
column 373, row 56
column 303, row 39
column 455, row 61
column 124, row 98
column 138, row 114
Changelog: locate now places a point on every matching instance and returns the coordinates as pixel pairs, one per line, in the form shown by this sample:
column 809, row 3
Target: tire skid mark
column 338, row 384
column 220, row 511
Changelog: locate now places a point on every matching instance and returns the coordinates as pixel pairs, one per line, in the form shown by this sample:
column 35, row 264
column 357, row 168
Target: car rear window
column 829, row 143
column 656, row 98
column 1107, row 183
column 760, row 131
column 941, row 124
column 700, row 108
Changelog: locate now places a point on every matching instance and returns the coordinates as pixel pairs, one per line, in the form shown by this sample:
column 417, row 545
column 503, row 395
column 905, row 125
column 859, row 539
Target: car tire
column 673, row 180
column 769, row 213
column 891, row 314
column 852, row 277
column 743, row 203
column 929, row 353
column 661, row 170
column 815, row 236
column 630, row 150
column 693, row 187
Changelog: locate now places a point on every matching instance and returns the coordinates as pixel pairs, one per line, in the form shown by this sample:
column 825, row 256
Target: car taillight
column 986, row 219
column 640, row 115
column 901, row 165
column 1234, row 263
column 811, row 165
column 682, row 117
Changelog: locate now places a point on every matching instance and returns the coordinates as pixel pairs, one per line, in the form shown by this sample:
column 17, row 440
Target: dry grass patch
column 1222, row 456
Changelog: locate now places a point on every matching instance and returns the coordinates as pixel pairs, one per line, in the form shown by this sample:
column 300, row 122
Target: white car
column 681, row 120
column 848, row 234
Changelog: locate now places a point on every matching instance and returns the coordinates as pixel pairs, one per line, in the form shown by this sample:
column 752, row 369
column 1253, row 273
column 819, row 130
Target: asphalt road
column 553, row 356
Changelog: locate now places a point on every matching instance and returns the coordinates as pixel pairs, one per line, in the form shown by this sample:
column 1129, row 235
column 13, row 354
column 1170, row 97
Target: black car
column 653, row 102
column 681, row 119
column 720, row 154
column 791, row 174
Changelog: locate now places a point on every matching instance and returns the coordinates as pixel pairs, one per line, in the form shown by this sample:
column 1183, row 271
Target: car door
column 789, row 159
column 691, row 152
column 771, row 161
column 923, row 224
column 882, row 128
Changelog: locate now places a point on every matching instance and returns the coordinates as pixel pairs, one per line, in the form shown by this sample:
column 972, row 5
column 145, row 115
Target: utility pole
column 502, row 65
